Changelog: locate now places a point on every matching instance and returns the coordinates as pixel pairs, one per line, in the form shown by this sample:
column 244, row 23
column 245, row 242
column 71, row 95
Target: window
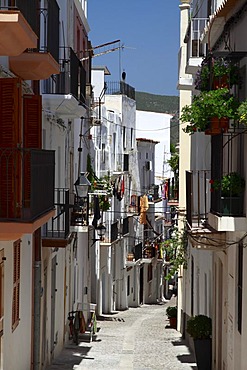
column 124, row 138
column 132, row 138
column 128, row 285
column 16, row 285
column 240, row 285
column 103, row 153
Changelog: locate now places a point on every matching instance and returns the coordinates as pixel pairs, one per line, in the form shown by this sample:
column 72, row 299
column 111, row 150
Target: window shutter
column 10, row 112
column 10, row 137
column 32, row 121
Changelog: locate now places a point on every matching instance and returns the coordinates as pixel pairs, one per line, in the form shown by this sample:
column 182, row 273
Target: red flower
column 211, row 181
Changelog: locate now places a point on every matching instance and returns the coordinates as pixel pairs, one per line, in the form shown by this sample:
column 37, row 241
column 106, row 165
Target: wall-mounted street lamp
column 79, row 215
column 101, row 230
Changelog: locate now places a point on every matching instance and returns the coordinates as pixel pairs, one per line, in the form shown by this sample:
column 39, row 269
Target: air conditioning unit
column 149, row 165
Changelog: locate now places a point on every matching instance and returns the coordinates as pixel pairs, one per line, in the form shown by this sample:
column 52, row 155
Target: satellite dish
column 123, row 76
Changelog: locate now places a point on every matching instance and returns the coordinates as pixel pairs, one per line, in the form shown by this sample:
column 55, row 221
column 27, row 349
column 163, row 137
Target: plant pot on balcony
column 220, row 82
column 217, row 126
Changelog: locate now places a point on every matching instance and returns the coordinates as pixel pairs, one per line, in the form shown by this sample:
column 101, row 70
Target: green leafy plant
column 175, row 249
column 171, row 311
column 242, row 112
column 199, row 327
column 215, row 103
column 232, row 184
column 174, row 163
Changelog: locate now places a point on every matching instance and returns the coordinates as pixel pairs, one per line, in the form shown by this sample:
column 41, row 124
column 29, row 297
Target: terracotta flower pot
column 217, row 126
column 220, row 82
column 173, row 322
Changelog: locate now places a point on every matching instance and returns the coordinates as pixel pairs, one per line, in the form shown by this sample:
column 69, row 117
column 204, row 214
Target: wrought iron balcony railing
column 120, row 88
column 59, row 226
column 71, row 80
column 26, row 183
column 112, row 232
column 198, row 196
column 27, row 7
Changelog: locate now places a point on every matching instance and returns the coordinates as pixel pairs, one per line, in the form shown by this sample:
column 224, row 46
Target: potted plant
column 217, row 73
column 171, row 312
column 210, row 111
column 231, row 187
column 200, row 329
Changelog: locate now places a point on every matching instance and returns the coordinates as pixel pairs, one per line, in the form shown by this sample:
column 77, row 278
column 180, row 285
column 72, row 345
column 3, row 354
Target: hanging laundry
column 165, row 190
column 144, row 207
column 120, row 188
column 96, row 211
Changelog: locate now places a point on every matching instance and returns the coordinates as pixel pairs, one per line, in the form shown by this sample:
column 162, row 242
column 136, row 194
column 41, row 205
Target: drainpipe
column 36, row 301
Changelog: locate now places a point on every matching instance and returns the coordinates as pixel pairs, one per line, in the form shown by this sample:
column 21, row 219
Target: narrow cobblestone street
column 139, row 339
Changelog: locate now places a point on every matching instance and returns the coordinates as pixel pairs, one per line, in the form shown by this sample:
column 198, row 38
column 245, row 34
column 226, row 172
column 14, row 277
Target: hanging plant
column 175, row 249
column 220, row 72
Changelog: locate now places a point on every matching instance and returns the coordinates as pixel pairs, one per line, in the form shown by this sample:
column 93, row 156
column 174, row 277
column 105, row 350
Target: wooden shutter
column 32, row 128
column 32, row 121
column 16, row 284
column 10, row 139
column 10, row 113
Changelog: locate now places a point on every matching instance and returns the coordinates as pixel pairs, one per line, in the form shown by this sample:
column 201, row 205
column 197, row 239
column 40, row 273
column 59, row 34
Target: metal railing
column 120, row 88
column 198, row 195
column 59, row 225
column 26, row 183
column 27, row 7
column 71, row 80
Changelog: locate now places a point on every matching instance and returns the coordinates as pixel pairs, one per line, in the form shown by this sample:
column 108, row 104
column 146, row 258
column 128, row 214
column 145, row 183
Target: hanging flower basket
column 217, row 126
column 215, row 73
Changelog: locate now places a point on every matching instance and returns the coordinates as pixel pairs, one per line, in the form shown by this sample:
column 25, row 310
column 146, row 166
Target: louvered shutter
column 32, row 128
column 32, row 121
column 10, row 139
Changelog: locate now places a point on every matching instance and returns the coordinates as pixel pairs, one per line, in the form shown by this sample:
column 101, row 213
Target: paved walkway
column 136, row 339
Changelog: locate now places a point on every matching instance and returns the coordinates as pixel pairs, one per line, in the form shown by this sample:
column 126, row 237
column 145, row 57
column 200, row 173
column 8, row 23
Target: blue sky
column 149, row 34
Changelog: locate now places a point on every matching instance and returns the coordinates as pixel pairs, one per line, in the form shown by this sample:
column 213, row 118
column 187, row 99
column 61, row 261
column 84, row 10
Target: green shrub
column 199, row 327
column 171, row 311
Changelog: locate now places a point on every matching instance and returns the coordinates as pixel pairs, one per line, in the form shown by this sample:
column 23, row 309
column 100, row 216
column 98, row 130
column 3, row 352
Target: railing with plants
column 215, row 107
column 227, row 194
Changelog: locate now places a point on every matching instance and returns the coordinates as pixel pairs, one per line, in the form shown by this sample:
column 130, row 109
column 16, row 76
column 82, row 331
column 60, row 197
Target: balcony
column 65, row 92
column 111, row 235
column 206, row 220
column 40, row 63
column 196, row 50
column 26, row 189
column 56, row 232
column 120, row 88
column 18, row 29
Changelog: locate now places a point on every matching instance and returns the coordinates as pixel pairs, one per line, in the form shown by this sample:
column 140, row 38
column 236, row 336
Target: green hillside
column 161, row 104
column 157, row 103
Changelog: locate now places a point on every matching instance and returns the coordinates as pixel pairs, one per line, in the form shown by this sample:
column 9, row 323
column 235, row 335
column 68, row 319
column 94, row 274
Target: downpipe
column 36, row 321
